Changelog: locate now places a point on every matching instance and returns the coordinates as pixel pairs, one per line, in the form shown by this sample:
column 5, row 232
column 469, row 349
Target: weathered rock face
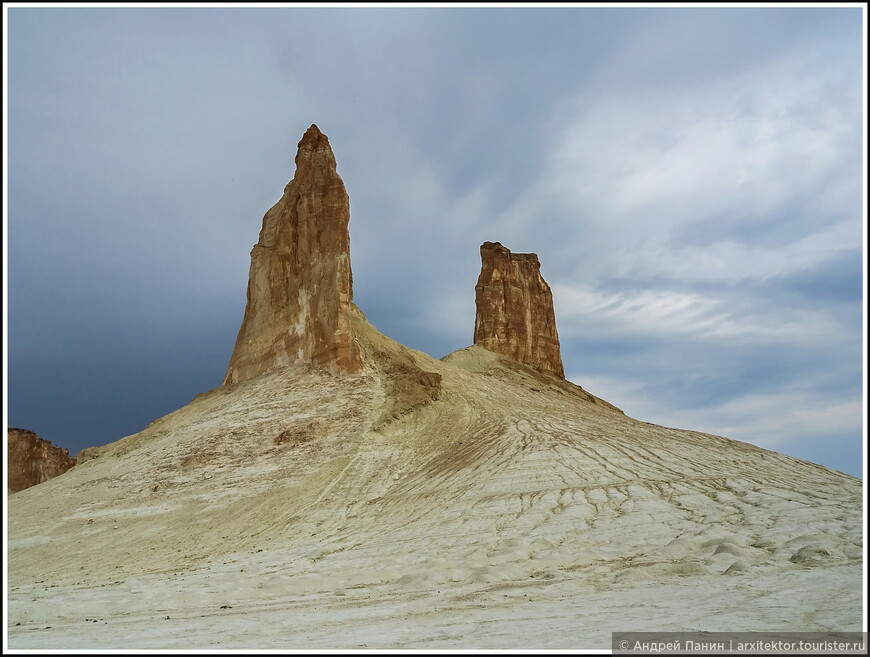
column 300, row 287
column 515, row 316
column 32, row 460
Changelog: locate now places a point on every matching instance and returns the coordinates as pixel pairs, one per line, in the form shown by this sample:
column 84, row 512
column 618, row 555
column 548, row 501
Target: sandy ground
column 185, row 611
column 511, row 512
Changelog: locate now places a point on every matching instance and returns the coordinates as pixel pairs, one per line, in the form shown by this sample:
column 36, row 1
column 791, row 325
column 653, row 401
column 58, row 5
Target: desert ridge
column 342, row 491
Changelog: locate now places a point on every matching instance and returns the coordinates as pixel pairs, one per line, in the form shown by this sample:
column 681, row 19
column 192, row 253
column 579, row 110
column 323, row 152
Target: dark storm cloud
column 689, row 177
column 837, row 279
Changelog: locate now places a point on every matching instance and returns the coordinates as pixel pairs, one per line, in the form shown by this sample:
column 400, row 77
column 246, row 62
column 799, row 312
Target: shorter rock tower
column 515, row 316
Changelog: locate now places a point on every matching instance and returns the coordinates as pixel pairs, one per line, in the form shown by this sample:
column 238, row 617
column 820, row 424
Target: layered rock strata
column 300, row 287
column 515, row 316
column 32, row 460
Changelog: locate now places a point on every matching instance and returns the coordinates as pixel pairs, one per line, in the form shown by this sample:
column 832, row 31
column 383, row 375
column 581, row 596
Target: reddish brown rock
column 32, row 460
column 300, row 287
column 515, row 316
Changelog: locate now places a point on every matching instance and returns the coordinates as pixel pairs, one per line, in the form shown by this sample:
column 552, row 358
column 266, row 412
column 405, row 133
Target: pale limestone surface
column 511, row 511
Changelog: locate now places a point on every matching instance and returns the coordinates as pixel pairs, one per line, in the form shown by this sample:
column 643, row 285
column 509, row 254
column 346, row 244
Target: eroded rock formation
column 515, row 316
column 32, row 460
column 300, row 287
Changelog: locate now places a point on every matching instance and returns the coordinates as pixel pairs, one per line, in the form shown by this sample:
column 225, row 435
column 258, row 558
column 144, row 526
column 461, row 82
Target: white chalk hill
column 495, row 508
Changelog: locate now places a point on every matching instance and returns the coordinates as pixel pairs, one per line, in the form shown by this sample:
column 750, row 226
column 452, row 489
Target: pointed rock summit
column 300, row 287
column 515, row 316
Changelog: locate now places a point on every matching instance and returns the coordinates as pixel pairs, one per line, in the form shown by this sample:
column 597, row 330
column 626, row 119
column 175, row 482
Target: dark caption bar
column 739, row 643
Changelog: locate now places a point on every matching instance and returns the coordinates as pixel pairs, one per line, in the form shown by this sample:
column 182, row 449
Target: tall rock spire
column 300, row 287
column 515, row 316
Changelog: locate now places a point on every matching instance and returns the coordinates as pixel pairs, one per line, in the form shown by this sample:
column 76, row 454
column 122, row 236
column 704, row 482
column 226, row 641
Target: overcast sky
column 691, row 180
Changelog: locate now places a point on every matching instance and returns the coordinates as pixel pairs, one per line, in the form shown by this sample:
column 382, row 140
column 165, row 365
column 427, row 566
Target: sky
column 690, row 178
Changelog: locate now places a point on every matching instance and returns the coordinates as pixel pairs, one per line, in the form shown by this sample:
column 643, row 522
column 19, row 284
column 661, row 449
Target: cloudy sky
column 691, row 180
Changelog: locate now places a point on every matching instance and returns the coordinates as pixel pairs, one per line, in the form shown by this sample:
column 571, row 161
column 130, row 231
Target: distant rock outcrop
column 32, row 460
column 300, row 287
column 515, row 316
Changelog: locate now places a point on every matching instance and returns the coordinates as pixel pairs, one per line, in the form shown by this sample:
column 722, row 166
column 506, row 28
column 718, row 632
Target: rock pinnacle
column 300, row 287
column 515, row 316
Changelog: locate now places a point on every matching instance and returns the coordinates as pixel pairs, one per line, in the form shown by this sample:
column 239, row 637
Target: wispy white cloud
column 646, row 312
column 585, row 312
column 768, row 151
column 729, row 261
